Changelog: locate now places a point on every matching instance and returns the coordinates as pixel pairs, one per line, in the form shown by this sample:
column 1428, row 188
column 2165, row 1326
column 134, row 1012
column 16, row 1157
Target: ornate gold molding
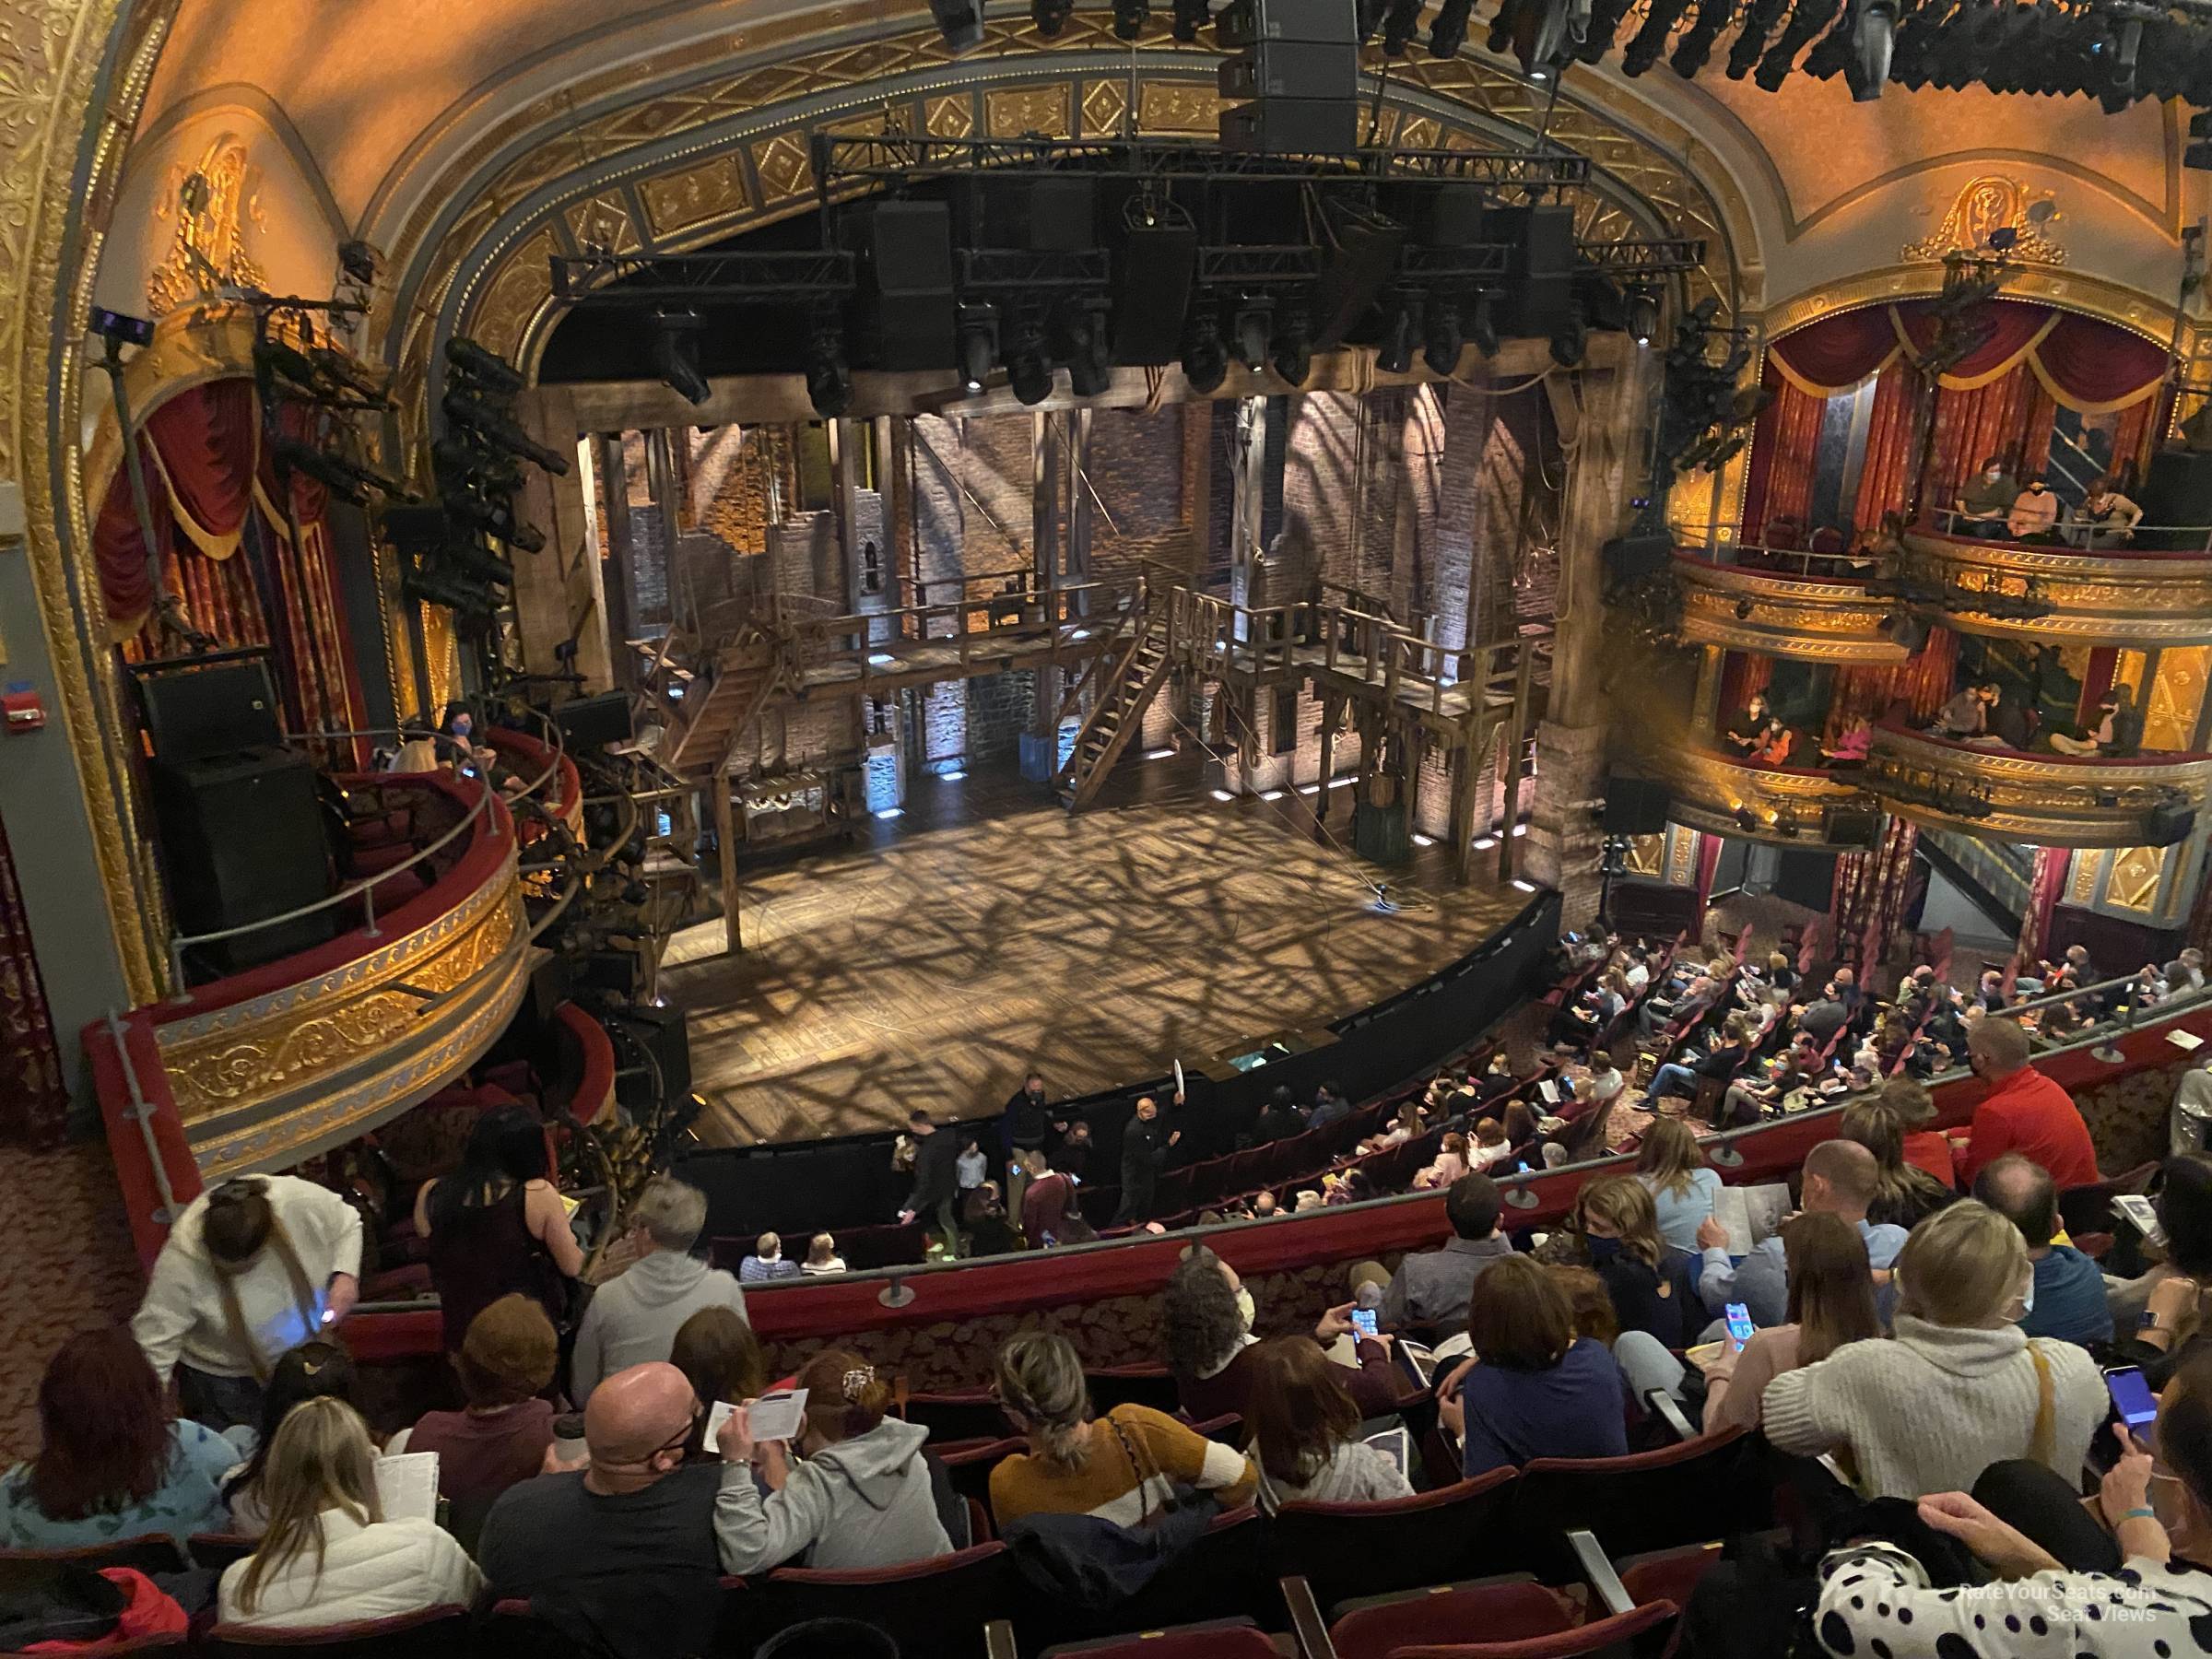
column 1988, row 203
column 2073, row 290
column 1808, row 620
column 2096, row 599
column 2047, row 800
column 1711, row 790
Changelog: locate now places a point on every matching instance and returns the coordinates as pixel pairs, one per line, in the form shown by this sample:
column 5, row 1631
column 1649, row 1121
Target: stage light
column 1759, row 18
column 1400, row 25
column 1571, row 338
column 1291, row 350
column 1645, row 45
column 1482, row 327
column 960, row 21
column 1272, row 795
column 1448, row 29
column 1423, row 841
column 1641, row 311
column 1254, row 323
column 954, row 776
column 1394, row 354
column 1080, row 331
column 1205, row 360
column 1441, row 339
column 828, row 383
column 675, row 354
column 1130, row 18
column 1873, row 37
column 1051, row 16
column 493, row 372
column 1526, row 887
column 1221, row 794
column 1191, row 16
column 1694, row 49
column 979, row 344
column 1028, row 370
column 888, row 813
column 1484, row 843
column 1159, row 754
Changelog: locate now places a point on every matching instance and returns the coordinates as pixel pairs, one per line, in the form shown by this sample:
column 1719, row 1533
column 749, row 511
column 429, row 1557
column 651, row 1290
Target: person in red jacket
column 2024, row 1111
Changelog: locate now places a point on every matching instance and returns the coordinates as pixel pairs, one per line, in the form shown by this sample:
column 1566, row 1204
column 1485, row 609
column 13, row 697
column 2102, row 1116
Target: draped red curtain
column 1779, row 484
column 1709, row 860
column 2008, row 417
column 2044, row 886
column 1868, row 899
column 1743, row 676
column 1882, row 476
column 319, row 666
column 33, row 1102
column 1837, row 351
column 1921, row 684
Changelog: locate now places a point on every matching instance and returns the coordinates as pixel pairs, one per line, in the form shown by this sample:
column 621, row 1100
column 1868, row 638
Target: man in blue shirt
column 2068, row 1302
column 1841, row 1178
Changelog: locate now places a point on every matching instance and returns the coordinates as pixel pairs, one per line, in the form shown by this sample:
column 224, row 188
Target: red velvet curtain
column 1744, row 673
column 36, row 1104
column 1920, row 683
column 1888, row 458
column 1837, row 351
column 2044, row 886
column 2010, row 417
column 1779, row 484
column 1709, row 860
column 1868, row 899
column 319, row 668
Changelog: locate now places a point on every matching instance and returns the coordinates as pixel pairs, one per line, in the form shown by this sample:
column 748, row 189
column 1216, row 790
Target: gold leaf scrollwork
column 1994, row 204
column 212, row 200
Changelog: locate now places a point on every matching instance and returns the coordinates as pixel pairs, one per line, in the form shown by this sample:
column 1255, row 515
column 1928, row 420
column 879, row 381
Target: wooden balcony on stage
column 1786, row 805
column 2050, row 800
column 2058, row 595
column 1812, row 606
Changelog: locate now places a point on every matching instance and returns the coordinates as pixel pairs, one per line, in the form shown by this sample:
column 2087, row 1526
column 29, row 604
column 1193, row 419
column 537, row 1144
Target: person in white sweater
column 329, row 1556
column 1302, row 1429
column 1959, row 1388
column 253, row 1268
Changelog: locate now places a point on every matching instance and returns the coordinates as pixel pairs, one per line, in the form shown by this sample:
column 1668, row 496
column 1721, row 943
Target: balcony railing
column 2051, row 800
column 1813, row 606
column 2056, row 593
column 1781, row 803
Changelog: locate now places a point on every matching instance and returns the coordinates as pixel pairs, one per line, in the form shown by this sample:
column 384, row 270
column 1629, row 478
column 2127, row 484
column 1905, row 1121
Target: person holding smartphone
column 1831, row 1303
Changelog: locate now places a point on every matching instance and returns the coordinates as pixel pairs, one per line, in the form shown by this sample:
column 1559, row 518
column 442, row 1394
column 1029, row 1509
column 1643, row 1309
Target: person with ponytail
column 307, row 1373
column 858, row 1495
column 253, row 1268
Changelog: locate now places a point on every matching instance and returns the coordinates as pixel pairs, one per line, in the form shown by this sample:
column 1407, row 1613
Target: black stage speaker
column 661, row 1033
column 1298, row 63
column 216, row 705
column 1054, row 216
column 1628, row 558
column 1452, row 216
column 2168, row 822
column 1635, row 806
column 1286, row 126
column 241, row 840
column 1152, row 274
column 1540, row 273
column 1364, row 258
column 904, row 312
column 1312, row 69
column 591, row 723
column 1853, row 825
column 2178, row 491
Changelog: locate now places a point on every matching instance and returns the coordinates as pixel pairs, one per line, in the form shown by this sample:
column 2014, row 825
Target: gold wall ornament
column 2081, row 877
column 2045, row 799
column 2134, row 882
column 1994, row 204
column 1786, row 807
column 1809, row 620
column 212, row 200
column 2099, row 599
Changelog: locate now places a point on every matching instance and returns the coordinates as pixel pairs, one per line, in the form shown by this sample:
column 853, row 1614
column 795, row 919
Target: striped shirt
column 1109, row 1487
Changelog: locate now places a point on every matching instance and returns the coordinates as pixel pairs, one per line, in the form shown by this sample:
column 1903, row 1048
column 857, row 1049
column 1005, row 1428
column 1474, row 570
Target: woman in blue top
column 1671, row 1165
column 1535, row 1389
column 112, row 1465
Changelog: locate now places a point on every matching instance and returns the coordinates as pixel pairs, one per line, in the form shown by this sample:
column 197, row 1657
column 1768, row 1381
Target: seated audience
column 1279, row 1120
column 1120, row 1467
column 2024, row 1111
column 309, row 1372
column 496, row 1224
column 1451, row 1163
column 1644, row 1360
column 1925, row 1149
column 2145, row 1593
column 2068, row 1300
column 859, row 1495
column 2034, row 515
column 1655, row 1285
column 1072, row 1155
column 1979, row 1390
column 253, row 1267
column 722, row 1360
column 767, row 1262
column 1302, row 1429
column 1831, row 1303
column 328, row 1556
column 983, row 1217
column 1489, row 1146
column 821, row 1250
column 2105, row 518
column 2117, row 731
column 1985, row 503
column 111, row 1463
column 500, row 1438
column 1904, row 1194
column 1207, row 1317
column 620, row 1556
column 1740, row 1041
column 634, row 1316
column 1431, row 1289
column 1533, row 1388
column 1671, row 1165
column 1839, row 1179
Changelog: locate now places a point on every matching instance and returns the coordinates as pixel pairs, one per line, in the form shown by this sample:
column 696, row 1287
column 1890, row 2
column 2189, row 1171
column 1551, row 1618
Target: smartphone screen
column 1363, row 1321
column 2131, row 1396
column 1739, row 1324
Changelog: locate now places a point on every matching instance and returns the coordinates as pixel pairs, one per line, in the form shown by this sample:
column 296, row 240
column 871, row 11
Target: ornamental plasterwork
column 1990, row 204
column 212, row 201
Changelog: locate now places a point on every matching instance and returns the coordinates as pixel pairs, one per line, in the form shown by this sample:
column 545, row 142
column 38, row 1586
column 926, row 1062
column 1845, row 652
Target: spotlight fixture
column 1253, row 325
column 1205, row 359
column 1394, row 355
column 1641, row 312
column 675, row 354
column 828, row 383
column 1482, row 328
column 1130, row 18
column 1746, row 819
column 960, row 21
column 1081, row 337
column 1191, row 16
column 1051, row 16
column 978, row 344
column 1291, row 350
column 1441, row 339
column 1571, row 338
column 1029, row 371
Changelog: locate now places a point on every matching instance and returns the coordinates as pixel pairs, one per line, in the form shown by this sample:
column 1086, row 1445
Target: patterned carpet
column 70, row 1267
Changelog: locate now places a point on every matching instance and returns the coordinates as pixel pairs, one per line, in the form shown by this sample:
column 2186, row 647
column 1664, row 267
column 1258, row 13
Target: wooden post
column 1509, row 766
column 1465, row 804
column 725, row 835
column 1332, row 710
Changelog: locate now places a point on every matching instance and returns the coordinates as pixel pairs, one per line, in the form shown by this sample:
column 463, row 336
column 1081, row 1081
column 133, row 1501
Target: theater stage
column 932, row 961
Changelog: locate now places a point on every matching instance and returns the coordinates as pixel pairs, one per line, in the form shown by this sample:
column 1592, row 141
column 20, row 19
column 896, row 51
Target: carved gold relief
column 2049, row 801
column 950, row 116
column 2081, row 876
column 783, row 167
column 1178, row 106
column 1681, row 855
column 678, row 200
column 603, row 221
column 2177, row 698
column 2134, row 882
column 1811, row 621
column 1646, row 856
column 1994, row 204
column 212, row 201
column 523, row 286
column 1017, row 111
column 1105, row 108
column 2103, row 599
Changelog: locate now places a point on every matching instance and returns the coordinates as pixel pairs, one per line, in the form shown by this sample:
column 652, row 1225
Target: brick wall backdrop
column 998, row 712
column 995, row 464
column 1136, row 463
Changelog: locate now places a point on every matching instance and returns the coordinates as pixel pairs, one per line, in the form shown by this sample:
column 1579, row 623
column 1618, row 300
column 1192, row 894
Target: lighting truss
column 1659, row 256
column 660, row 278
column 1258, row 266
column 1016, row 270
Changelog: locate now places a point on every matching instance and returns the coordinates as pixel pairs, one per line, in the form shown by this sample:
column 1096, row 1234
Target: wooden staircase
column 729, row 703
column 1127, row 690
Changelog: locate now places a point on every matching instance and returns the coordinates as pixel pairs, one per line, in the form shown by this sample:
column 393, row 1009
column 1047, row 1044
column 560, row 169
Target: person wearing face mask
column 1653, row 1286
column 2024, row 1111
column 1984, row 505
column 1207, row 1317
column 2064, row 1588
column 1981, row 1390
column 2035, row 516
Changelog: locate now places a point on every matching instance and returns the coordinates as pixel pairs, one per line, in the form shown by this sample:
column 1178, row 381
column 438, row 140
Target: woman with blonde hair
column 1831, row 1303
column 1450, row 1164
column 1925, row 1148
column 1958, row 1387
column 328, row 1556
column 1655, row 1285
column 1906, row 1194
column 1671, row 1165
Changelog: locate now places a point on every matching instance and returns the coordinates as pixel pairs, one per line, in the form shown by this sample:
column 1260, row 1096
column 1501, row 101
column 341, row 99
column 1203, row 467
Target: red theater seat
column 434, row 1633
column 1216, row 1638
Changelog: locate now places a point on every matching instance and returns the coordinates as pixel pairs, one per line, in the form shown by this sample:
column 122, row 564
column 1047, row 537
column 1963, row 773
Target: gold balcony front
column 1822, row 614
column 2060, row 596
column 1786, row 805
column 2050, row 800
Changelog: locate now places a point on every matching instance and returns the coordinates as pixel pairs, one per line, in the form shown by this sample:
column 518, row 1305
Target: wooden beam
column 725, row 837
column 1465, row 804
column 1332, row 710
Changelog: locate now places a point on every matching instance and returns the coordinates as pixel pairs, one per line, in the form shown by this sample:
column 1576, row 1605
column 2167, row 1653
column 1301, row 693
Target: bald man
column 2024, row 1111
column 620, row 1556
column 1841, row 1178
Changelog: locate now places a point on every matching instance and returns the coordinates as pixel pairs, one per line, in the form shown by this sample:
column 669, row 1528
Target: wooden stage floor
column 931, row 961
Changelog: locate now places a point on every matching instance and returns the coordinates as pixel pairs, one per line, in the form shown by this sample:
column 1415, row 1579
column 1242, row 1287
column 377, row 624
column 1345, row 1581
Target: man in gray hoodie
column 633, row 1319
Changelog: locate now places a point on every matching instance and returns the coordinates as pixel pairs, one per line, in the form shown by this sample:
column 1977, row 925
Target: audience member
column 2024, row 1111
column 1925, row 1149
column 497, row 1224
column 310, row 1371
column 1831, row 1303
column 1450, row 1164
column 1644, row 1360
column 2105, row 518
column 1840, row 1179
column 500, row 1438
column 1072, row 1155
column 253, row 1267
column 1120, row 1467
column 111, row 1463
column 859, row 1495
column 1533, row 1388
column 1655, row 1285
column 1030, row 1124
column 1739, row 1042
column 984, row 1218
column 972, row 1168
column 765, row 1262
column 2034, row 515
column 936, row 1187
column 1046, row 1202
column 1825, row 1016
column 1207, row 1318
column 821, row 1251
column 1985, row 503
column 2173, row 1324
column 2068, row 1297
column 633, row 1317
column 1671, row 1165
column 621, row 1557
column 1145, row 1144
column 1301, row 1431
column 2185, row 973
column 722, row 1360
column 1279, row 1120
column 1431, row 1289
column 328, row 1556
column 1979, row 1390
column 1330, row 1106
column 1489, row 1146
column 1904, row 1194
